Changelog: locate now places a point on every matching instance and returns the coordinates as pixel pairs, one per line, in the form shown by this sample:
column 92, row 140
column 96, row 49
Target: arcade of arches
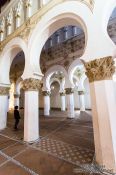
column 57, row 64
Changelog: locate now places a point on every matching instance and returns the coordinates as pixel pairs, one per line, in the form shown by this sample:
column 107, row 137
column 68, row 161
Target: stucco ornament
column 62, row 93
column 100, row 69
column 69, row 91
column 81, row 92
column 4, row 90
column 28, row 3
column 46, row 93
column 31, row 84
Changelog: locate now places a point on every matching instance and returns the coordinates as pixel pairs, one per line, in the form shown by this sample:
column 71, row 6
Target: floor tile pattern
column 66, row 146
column 68, row 152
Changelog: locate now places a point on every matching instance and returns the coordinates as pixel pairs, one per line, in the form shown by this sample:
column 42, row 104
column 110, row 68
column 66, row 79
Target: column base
column 103, row 169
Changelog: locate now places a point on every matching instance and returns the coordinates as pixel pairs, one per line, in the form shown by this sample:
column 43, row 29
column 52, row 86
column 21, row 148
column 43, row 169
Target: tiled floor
column 66, row 147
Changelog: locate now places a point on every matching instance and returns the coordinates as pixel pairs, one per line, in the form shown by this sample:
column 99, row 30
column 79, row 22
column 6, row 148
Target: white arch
column 9, row 52
column 66, row 13
column 55, row 80
column 76, row 78
column 75, row 64
column 81, row 83
column 50, row 72
column 61, row 83
column 109, row 6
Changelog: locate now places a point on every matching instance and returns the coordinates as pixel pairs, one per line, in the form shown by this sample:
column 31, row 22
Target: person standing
column 16, row 117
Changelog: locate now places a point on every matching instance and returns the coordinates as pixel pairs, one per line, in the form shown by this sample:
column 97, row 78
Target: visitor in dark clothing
column 16, row 117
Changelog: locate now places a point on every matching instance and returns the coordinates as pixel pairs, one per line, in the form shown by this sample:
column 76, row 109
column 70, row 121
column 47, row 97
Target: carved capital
column 4, row 90
column 62, row 93
column 81, row 92
column 31, row 84
column 16, row 95
column 46, row 93
column 100, row 69
column 69, row 91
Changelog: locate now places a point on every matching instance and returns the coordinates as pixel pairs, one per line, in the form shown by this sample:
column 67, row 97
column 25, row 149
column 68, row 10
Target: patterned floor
column 70, row 153
column 66, row 147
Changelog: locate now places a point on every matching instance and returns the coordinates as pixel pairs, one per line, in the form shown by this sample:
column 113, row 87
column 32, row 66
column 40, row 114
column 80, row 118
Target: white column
column 46, row 95
column 40, row 4
column 2, row 28
column 9, row 29
column 65, row 33
column 104, row 122
column 51, row 42
column 18, row 21
column 28, row 8
column 3, row 111
column 8, row 103
column 103, row 110
column 82, row 100
column 1, row 35
column 4, row 91
column 28, row 12
column 74, row 28
column 31, row 118
column 63, row 105
column 16, row 99
column 31, row 109
column 57, row 37
column 70, row 102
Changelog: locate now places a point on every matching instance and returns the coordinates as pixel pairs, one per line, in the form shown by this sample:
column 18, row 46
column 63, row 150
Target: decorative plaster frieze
column 69, row 91
column 4, row 90
column 100, row 69
column 24, row 30
column 31, row 84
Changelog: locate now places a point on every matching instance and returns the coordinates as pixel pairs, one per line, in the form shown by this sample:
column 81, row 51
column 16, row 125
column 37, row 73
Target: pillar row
column 82, row 100
column 46, row 95
column 16, row 99
column 70, row 102
column 31, row 117
column 4, row 92
column 100, row 72
column 63, row 103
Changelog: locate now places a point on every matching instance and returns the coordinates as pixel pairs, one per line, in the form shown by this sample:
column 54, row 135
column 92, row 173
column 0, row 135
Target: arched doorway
column 12, row 64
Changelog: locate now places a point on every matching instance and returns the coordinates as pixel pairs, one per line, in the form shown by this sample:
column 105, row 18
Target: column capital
column 100, row 69
column 46, row 93
column 62, row 93
column 31, row 84
column 69, row 91
column 81, row 92
column 4, row 90
column 16, row 95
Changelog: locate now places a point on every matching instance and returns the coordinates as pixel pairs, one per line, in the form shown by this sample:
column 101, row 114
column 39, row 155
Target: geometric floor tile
column 68, row 152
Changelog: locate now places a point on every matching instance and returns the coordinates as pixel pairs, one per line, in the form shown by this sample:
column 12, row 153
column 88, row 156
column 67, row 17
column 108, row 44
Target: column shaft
column 63, row 106
column 104, row 122
column 31, row 119
column 82, row 100
column 47, row 105
column 70, row 102
column 100, row 72
column 3, row 111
